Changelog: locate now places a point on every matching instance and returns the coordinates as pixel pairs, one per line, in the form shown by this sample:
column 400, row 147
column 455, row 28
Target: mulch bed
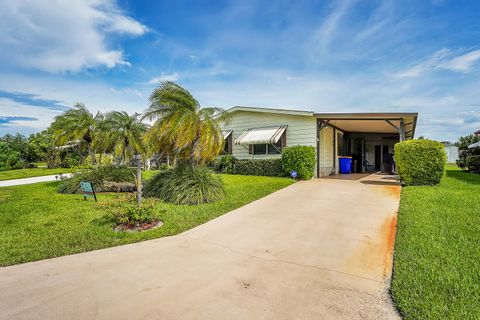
column 139, row 227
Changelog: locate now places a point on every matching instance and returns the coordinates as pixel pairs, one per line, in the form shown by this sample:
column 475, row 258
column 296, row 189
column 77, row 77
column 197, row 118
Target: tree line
column 179, row 127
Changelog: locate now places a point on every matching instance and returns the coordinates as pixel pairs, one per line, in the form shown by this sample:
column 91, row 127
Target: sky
column 325, row 56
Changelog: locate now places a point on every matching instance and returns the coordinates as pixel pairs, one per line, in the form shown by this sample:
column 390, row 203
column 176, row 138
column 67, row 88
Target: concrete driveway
column 22, row 181
column 320, row 249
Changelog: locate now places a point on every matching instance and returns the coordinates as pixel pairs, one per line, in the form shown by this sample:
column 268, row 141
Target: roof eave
column 271, row 110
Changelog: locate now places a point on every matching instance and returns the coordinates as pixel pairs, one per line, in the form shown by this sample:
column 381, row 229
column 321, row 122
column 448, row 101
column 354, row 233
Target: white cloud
column 12, row 109
column 327, row 29
column 63, row 36
column 443, row 59
column 462, row 63
column 164, row 77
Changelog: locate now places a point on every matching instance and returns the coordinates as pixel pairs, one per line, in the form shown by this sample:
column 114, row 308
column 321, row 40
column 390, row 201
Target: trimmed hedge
column 299, row 158
column 473, row 163
column 420, row 162
column 302, row 159
column 259, row 167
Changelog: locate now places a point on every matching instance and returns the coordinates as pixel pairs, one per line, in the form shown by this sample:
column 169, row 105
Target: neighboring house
column 452, row 152
column 477, row 133
column 258, row 133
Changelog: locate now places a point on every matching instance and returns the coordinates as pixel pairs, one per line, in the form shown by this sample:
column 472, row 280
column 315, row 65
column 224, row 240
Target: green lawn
column 437, row 250
column 37, row 223
column 27, row 173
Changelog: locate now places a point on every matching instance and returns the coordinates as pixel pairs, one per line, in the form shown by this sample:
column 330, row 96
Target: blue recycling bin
column 345, row 165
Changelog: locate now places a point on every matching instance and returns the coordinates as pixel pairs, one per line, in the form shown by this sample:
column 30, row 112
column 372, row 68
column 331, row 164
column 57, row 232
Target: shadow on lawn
column 103, row 220
column 464, row 176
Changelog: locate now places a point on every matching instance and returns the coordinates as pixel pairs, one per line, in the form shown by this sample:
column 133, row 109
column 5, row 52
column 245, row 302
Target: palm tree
column 123, row 134
column 182, row 127
column 76, row 124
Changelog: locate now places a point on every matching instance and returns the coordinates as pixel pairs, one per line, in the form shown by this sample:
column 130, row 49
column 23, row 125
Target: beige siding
column 301, row 130
column 328, row 157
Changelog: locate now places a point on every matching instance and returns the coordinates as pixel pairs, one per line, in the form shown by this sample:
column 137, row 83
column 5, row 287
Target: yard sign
column 88, row 190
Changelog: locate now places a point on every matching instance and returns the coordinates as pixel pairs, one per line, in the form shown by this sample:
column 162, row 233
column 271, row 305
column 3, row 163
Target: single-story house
column 258, row 133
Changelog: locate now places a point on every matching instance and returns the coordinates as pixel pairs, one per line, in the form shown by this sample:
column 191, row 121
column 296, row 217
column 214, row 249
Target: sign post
column 88, row 190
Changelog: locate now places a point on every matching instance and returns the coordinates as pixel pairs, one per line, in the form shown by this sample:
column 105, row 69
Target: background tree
column 9, row 157
column 190, row 132
column 41, row 148
column 77, row 124
column 464, row 151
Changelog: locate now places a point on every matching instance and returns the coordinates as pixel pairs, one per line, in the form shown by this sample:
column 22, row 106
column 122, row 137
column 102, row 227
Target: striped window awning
column 226, row 133
column 264, row 135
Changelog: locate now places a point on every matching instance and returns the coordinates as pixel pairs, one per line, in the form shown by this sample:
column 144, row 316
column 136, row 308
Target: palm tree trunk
column 194, row 149
column 92, row 154
column 82, row 158
column 139, row 179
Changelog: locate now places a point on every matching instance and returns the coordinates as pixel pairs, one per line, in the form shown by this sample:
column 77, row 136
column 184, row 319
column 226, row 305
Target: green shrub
column 186, row 185
column 224, row 164
column 302, row 159
column 9, row 159
column 124, row 211
column 70, row 160
column 98, row 176
column 259, row 167
column 473, row 163
column 460, row 163
column 420, row 162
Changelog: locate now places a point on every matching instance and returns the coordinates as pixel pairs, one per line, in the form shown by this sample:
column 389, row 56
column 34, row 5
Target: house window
column 270, row 148
column 227, row 146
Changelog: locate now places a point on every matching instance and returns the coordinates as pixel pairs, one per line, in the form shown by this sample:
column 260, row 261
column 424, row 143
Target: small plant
column 186, row 185
column 420, row 162
column 225, row 164
column 301, row 159
column 126, row 214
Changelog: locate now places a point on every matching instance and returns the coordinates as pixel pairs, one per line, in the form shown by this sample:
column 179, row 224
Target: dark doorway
column 357, row 155
column 378, row 157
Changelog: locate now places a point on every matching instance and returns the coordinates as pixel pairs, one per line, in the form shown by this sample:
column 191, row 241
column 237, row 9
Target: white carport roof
column 371, row 122
column 261, row 135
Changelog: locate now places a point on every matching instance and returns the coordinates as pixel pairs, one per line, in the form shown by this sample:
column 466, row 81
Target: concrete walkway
column 17, row 182
column 320, row 249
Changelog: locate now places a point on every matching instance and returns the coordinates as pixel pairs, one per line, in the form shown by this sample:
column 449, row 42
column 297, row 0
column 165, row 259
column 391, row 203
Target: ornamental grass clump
column 186, row 185
column 99, row 176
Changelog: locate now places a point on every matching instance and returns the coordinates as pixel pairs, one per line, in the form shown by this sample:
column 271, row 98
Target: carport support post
column 402, row 130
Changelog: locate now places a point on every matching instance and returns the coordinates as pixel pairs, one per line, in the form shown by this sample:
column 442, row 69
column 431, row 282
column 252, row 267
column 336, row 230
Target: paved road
column 320, row 249
column 17, row 182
